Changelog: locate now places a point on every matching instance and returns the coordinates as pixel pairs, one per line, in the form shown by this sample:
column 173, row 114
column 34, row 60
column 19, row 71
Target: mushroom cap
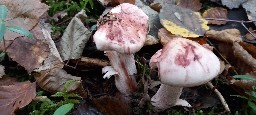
column 124, row 34
column 185, row 63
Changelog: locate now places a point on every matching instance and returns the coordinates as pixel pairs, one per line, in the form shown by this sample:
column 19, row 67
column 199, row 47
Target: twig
column 224, row 103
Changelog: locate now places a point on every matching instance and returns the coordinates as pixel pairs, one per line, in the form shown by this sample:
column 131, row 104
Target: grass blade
column 64, row 109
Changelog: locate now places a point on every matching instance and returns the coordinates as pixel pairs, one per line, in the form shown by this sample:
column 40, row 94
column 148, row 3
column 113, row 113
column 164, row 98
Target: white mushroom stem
column 168, row 96
column 124, row 69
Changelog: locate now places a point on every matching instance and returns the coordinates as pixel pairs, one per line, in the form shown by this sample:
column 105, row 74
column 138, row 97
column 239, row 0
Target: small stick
column 224, row 103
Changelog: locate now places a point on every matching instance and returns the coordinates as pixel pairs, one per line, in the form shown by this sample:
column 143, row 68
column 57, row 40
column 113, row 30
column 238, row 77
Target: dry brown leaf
column 241, row 53
column 194, row 5
column 53, row 60
column 115, row 2
column 237, row 63
column 165, row 36
column 29, row 53
column 54, row 80
column 218, row 13
column 2, row 73
column 249, row 36
column 250, row 48
column 23, row 13
column 151, row 40
column 156, row 6
column 93, row 62
column 15, row 95
column 228, row 35
column 112, row 105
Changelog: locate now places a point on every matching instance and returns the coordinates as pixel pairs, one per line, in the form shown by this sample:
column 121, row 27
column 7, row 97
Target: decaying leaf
column 29, row 53
column 54, row 80
column 241, row 53
column 112, row 105
column 94, row 62
column 233, row 3
column 250, row 48
column 115, row 2
column 156, row 6
column 74, row 38
column 53, row 60
column 227, row 52
column 151, row 41
column 228, row 35
column 15, row 95
column 194, row 5
column 163, row 3
column 218, row 13
column 2, row 73
column 182, row 21
column 23, row 13
column 249, row 36
column 249, row 6
column 165, row 36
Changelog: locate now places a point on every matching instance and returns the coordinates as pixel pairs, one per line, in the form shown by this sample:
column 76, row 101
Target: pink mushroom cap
column 125, row 34
column 185, row 63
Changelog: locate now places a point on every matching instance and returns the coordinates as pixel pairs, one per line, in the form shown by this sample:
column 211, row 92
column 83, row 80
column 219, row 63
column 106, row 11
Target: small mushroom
column 181, row 63
column 121, row 33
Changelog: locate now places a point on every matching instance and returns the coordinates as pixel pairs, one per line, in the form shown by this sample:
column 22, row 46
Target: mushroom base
column 168, row 96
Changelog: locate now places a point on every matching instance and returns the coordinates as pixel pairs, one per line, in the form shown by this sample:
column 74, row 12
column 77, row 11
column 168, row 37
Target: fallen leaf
column 228, row 35
column 115, row 2
column 15, row 95
column 112, row 106
column 194, row 5
column 54, row 80
column 232, row 3
column 218, row 13
column 26, row 16
column 156, row 6
column 249, row 6
column 249, row 36
column 151, row 41
column 53, row 60
column 2, row 73
column 163, row 3
column 182, row 21
column 93, row 62
column 29, row 53
column 250, row 48
column 75, row 37
column 165, row 36
column 241, row 53
column 238, row 64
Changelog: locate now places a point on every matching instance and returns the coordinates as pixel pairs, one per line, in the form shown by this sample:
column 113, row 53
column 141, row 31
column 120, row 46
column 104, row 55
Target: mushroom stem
column 124, row 65
column 168, row 96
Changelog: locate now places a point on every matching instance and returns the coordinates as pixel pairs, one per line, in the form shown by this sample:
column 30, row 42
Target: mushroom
column 121, row 33
column 181, row 63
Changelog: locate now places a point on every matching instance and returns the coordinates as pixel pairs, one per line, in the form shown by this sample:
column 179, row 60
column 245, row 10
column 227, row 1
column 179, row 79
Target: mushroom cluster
column 181, row 63
column 121, row 33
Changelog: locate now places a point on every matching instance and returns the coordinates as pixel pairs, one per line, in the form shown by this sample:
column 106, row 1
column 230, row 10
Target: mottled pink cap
column 126, row 34
column 185, row 63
